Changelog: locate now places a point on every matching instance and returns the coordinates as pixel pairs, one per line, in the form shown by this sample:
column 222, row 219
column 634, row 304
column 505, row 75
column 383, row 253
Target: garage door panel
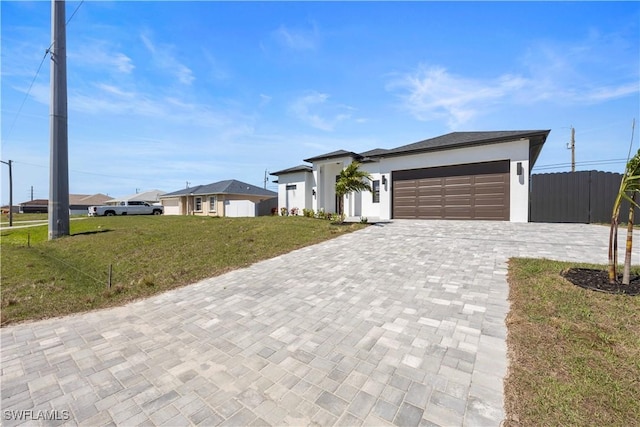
column 459, row 201
column 483, row 194
column 459, row 180
column 479, row 179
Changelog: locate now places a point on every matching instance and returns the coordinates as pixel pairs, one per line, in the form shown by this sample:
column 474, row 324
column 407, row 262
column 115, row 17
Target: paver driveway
column 400, row 324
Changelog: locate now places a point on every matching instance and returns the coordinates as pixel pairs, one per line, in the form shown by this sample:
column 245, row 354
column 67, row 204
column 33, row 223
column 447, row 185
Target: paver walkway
column 398, row 324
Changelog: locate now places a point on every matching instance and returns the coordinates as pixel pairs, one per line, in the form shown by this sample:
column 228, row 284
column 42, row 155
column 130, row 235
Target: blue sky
column 161, row 93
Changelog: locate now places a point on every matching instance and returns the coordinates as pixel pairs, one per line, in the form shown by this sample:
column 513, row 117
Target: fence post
column 110, row 268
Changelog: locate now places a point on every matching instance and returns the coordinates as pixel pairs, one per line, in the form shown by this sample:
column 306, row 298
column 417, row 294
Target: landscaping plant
column 351, row 179
column 629, row 186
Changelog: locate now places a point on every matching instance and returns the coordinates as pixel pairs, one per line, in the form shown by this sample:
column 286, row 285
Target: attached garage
column 171, row 206
column 471, row 191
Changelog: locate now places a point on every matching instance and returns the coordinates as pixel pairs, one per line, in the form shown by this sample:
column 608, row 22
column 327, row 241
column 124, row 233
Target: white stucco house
column 460, row 175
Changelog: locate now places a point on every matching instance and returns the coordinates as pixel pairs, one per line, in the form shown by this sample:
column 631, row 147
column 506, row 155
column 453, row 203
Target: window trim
column 197, row 200
column 212, row 206
column 375, row 193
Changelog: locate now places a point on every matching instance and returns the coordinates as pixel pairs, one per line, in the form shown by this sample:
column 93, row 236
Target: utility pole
column 32, row 193
column 59, row 160
column 572, row 146
column 266, row 178
column 10, row 192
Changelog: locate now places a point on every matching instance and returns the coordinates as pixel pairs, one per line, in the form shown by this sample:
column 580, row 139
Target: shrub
column 320, row 214
column 308, row 213
column 274, row 211
column 364, row 220
column 294, row 211
column 284, row 211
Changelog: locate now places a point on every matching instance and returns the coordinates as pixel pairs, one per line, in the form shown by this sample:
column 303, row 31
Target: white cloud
column 297, row 39
column 435, row 94
column 264, row 100
column 163, row 57
column 99, row 54
column 315, row 110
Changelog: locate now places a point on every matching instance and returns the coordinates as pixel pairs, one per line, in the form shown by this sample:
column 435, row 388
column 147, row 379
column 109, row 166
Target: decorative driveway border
column 398, row 324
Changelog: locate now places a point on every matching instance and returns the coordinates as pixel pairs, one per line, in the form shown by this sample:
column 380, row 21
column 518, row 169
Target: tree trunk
column 613, row 249
column 626, row 275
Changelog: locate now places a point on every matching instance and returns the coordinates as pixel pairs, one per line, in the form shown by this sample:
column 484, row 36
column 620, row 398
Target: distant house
column 35, row 206
column 152, row 197
column 78, row 203
column 230, row 198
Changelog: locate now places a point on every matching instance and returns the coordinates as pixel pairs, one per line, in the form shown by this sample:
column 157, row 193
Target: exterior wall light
column 519, row 169
column 384, row 180
column 313, row 191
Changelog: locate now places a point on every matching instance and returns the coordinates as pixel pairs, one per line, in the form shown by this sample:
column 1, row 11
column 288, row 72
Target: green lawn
column 574, row 353
column 148, row 255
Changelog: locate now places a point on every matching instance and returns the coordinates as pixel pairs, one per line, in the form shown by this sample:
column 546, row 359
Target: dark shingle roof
column 449, row 141
column 332, row 155
column 299, row 168
column 230, row 186
column 375, row 152
column 463, row 139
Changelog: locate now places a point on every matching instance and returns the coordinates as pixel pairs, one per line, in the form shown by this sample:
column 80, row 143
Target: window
column 212, row 203
column 376, row 191
column 198, row 204
column 291, row 186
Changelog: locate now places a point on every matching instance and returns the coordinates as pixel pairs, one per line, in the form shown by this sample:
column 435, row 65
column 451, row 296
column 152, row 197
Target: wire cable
column 46, row 52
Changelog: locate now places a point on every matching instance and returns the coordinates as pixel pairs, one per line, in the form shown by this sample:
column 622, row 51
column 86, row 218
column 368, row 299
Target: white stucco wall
column 370, row 209
column 324, row 177
column 300, row 197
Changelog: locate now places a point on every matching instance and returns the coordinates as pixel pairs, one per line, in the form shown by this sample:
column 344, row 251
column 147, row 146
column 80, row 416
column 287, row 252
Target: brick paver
column 398, row 324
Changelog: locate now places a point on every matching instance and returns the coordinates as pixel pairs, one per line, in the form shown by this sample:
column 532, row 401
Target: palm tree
column 351, row 179
column 629, row 186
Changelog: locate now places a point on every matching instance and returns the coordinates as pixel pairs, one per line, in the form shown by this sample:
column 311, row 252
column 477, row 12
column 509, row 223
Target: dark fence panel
column 264, row 207
column 580, row 197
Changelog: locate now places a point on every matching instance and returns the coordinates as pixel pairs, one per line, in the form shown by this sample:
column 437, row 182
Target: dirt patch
column 598, row 280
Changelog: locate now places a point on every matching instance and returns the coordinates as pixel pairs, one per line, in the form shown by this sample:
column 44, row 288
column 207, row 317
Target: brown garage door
column 472, row 191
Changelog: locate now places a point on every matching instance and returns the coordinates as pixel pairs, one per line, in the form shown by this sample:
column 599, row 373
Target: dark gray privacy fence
column 582, row 197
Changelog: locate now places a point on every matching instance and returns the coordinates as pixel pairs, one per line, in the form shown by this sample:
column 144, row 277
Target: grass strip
column 148, row 255
column 574, row 354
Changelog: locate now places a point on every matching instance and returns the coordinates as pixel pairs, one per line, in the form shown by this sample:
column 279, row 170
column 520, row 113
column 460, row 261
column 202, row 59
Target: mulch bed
column 598, row 280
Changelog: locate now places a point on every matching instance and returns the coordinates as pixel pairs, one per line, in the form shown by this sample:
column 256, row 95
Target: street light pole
column 10, row 192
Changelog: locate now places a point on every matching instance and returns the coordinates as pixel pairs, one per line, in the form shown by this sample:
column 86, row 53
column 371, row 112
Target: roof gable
column 333, row 155
column 299, row 168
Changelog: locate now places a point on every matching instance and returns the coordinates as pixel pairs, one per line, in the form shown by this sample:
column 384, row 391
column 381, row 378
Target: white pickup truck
column 126, row 208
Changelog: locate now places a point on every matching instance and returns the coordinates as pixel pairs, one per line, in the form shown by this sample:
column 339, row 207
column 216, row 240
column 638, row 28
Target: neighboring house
column 460, row 175
column 35, row 206
column 229, row 198
column 151, row 197
column 78, row 203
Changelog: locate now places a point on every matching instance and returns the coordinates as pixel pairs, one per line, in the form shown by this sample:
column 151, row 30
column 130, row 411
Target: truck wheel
column 157, row 212
column 110, row 213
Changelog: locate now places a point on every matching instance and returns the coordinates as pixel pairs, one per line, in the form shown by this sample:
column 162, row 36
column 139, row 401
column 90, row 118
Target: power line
column 46, row 52
column 82, row 172
column 582, row 163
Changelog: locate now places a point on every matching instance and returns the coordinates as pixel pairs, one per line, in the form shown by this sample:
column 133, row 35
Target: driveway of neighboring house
column 398, row 324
